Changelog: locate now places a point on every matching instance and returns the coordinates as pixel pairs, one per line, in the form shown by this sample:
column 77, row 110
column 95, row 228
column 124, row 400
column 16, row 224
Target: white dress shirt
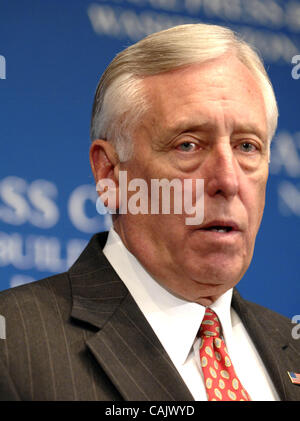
column 176, row 323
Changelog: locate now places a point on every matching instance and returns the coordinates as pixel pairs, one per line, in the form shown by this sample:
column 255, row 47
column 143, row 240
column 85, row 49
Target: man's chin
column 223, row 270
column 211, row 284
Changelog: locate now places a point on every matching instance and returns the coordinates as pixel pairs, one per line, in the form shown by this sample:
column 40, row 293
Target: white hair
column 120, row 100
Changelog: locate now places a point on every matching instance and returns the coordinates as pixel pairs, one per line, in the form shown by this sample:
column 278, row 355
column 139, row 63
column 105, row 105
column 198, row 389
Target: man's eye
column 247, row 147
column 187, row 146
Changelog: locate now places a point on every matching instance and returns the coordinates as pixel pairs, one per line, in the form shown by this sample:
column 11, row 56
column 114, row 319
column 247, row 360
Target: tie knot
column 210, row 325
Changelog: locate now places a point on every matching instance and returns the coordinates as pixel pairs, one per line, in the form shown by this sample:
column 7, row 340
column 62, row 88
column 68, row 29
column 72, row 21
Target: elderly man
column 150, row 312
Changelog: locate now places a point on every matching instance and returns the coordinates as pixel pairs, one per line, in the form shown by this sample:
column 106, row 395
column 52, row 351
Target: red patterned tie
column 221, row 382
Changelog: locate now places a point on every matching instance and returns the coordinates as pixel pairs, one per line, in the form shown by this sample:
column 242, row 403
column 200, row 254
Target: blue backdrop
column 52, row 53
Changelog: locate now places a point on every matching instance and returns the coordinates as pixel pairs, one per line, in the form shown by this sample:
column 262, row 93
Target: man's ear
column 105, row 167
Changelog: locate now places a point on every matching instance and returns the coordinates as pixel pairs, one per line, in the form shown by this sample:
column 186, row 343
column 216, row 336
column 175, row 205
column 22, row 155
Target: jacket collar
column 96, row 288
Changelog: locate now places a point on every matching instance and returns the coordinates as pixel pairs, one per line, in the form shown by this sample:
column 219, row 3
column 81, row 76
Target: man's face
column 205, row 122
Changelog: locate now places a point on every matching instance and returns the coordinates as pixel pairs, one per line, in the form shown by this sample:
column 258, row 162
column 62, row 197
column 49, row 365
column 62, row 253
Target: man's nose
column 221, row 175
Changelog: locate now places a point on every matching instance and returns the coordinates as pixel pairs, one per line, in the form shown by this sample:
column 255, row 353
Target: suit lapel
column 134, row 359
column 272, row 338
column 125, row 346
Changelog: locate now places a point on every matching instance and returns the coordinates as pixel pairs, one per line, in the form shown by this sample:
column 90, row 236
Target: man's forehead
column 172, row 105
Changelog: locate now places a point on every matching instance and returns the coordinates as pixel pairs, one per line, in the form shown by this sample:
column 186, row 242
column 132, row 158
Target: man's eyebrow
column 188, row 125
column 205, row 126
column 250, row 129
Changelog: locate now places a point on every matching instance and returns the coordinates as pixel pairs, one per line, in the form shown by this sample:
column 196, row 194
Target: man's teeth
column 220, row 229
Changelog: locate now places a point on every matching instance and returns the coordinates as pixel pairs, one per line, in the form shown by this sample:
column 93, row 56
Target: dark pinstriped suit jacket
column 80, row 336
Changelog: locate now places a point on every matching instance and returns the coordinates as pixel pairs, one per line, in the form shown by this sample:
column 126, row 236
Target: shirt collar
column 222, row 308
column 175, row 321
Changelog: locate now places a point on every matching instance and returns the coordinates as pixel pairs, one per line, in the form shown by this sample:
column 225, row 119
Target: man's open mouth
column 220, row 226
column 217, row 228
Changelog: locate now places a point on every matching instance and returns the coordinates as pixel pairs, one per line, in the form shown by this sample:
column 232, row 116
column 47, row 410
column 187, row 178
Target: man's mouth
column 220, row 226
column 217, row 228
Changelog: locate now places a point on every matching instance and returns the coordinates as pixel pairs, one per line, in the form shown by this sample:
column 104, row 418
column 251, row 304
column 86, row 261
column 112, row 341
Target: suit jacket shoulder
column 43, row 356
